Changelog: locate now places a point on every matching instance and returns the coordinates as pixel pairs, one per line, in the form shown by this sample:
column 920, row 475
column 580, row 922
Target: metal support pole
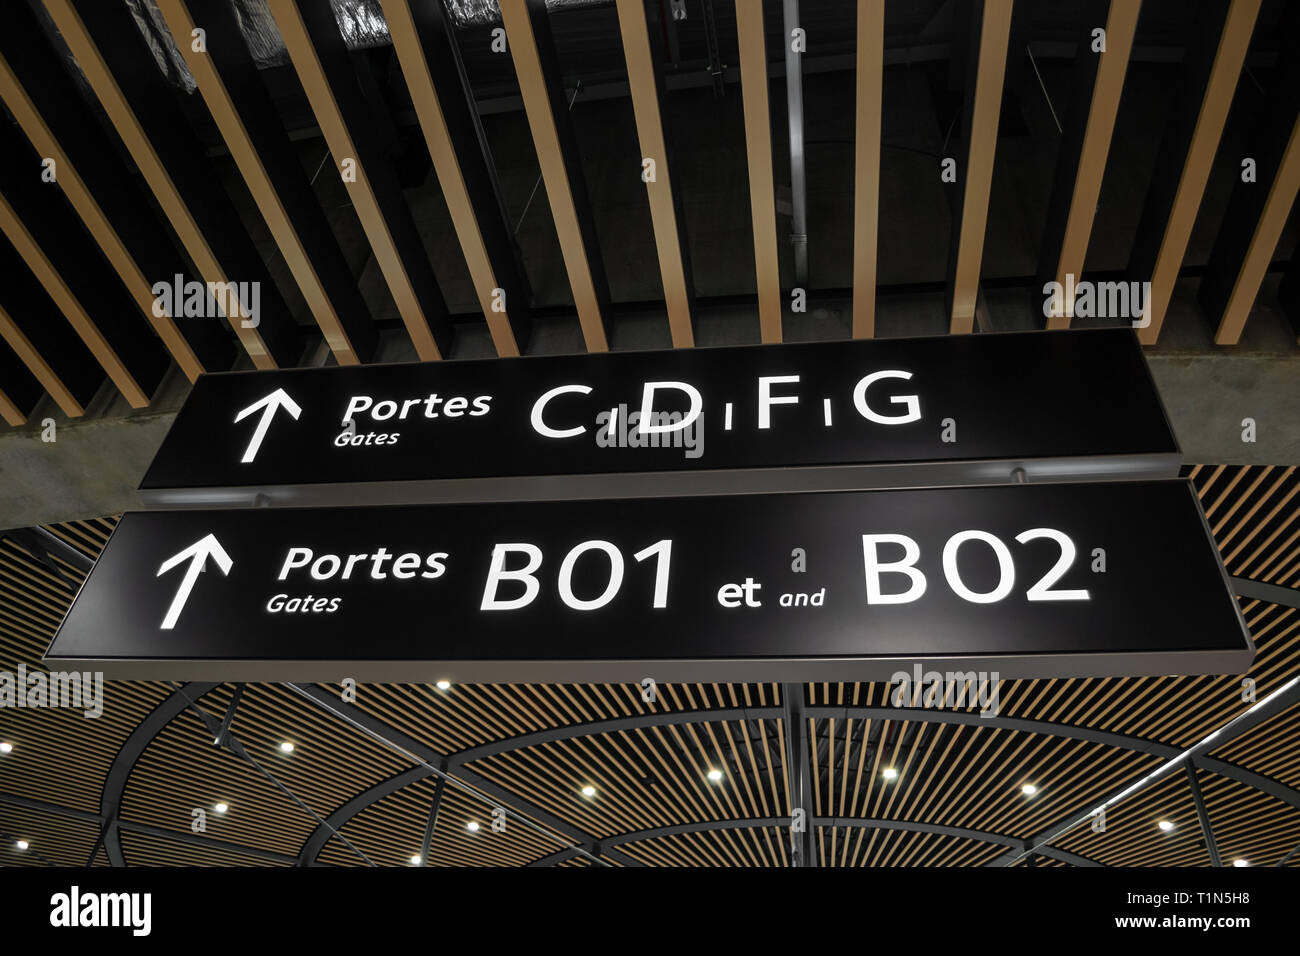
column 798, row 178
column 715, row 57
column 224, row 731
column 433, row 820
column 801, row 842
column 1203, row 815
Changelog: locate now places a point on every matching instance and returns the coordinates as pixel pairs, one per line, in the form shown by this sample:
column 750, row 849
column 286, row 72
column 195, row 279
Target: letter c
column 545, row 430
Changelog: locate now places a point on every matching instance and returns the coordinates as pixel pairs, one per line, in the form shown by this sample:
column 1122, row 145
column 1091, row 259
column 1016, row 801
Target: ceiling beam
column 133, row 388
column 529, row 814
column 102, row 190
column 556, row 858
column 1186, row 157
column 321, row 60
column 1203, row 815
column 120, row 71
column 1288, row 295
column 42, row 342
column 1106, row 738
column 975, row 164
column 798, row 779
column 905, row 826
column 532, row 48
column 1262, row 591
column 429, row 57
column 758, row 151
column 647, row 88
column 110, row 798
column 173, row 836
column 1253, row 224
column 866, row 163
column 432, row 823
column 1272, row 705
column 42, row 99
column 1081, row 157
column 320, row 836
column 156, row 721
column 229, row 84
column 22, row 386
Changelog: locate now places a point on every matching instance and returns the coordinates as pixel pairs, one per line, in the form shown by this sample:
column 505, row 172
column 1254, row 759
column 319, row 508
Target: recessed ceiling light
column 1165, row 825
column 472, row 826
column 1029, row 790
column 415, row 860
column 286, row 747
column 443, row 685
column 221, row 807
column 23, row 844
column 588, row 791
column 889, row 773
column 715, row 775
column 6, row 747
column 1241, row 863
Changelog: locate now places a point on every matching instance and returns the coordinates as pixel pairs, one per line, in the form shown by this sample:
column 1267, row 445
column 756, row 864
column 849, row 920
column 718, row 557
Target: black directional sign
column 1025, row 580
column 862, row 414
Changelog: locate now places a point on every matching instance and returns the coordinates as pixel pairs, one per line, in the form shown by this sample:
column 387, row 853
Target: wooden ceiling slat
column 455, row 166
column 37, row 123
column 758, row 151
column 869, row 106
column 178, row 212
column 40, row 369
column 1263, row 242
column 9, row 410
column 1212, row 115
column 561, row 170
column 320, row 58
column 1090, row 166
column 975, row 171
column 261, row 151
column 1246, row 522
column 72, row 309
column 665, row 205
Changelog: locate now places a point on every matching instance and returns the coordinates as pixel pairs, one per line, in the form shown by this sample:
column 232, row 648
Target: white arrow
column 197, row 554
column 277, row 399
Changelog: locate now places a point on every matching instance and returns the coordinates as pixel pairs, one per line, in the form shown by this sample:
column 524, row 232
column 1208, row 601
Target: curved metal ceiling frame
column 907, row 826
column 110, row 799
column 458, row 761
column 180, row 699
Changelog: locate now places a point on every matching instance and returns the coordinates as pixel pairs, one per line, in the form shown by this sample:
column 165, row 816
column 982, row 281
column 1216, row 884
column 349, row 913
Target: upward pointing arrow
column 197, row 554
column 277, row 399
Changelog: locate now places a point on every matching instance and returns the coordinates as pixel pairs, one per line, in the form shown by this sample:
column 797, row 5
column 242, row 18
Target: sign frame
column 784, row 474
column 1218, row 660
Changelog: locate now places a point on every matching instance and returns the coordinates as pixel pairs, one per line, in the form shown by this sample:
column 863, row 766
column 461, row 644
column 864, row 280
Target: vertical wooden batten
column 866, row 164
column 647, row 103
column 976, row 172
column 758, row 149
column 560, row 164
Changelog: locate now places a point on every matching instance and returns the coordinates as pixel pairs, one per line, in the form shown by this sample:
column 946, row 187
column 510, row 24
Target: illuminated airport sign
column 838, row 415
column 1048, row 580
